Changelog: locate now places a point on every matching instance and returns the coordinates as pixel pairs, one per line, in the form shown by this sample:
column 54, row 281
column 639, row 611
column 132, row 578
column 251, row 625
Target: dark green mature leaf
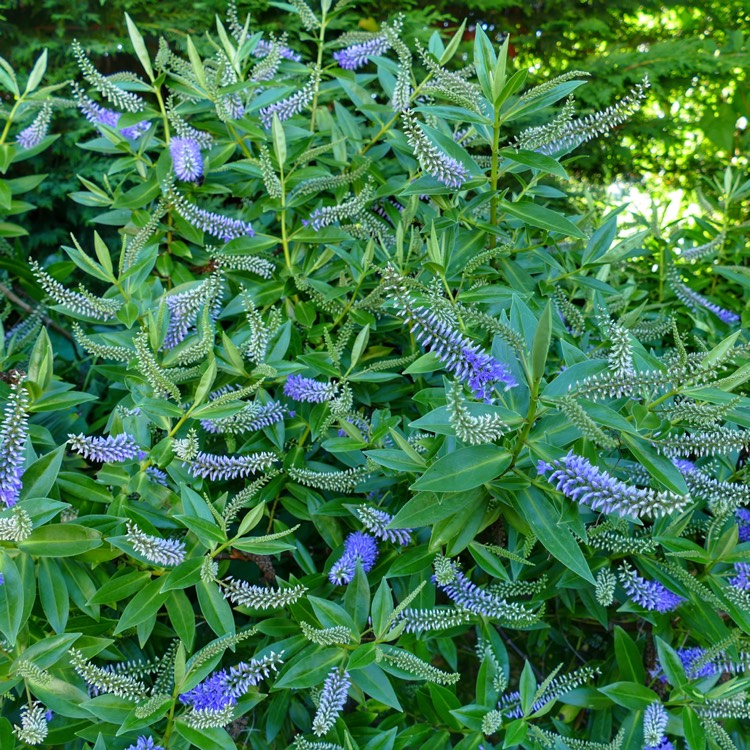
column 61, row 540
column 464, row 469
column 545, row 523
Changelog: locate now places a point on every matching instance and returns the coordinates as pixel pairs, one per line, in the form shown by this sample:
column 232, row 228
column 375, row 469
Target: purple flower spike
column 13, row 432
column 587, row 484
column 35, row 133
column 309, row 390
column 351, row 58
column 459, row 355
column 742, row 579
column 109, row 449
column 357, row 546
column 186, row 159
column 218, row 225
column 145, row 743
column 332, row 701
column 376, row 522
column 743, row 522
column 651, row 595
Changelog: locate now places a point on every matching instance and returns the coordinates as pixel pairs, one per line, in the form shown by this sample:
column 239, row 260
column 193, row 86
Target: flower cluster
column 431, row 159
column 109, row 449
column 332, row 700
column 376, row 522
column 702, row 442
column 357, row 55
column 35, row 133
column 81, row 302
column 33, row 729
column 184, row 308
column 695, row 301
column 253, row 417
column 98, row 115
column 186, row 159
column 13, row 433
column 469, row 596
column 358, row 547
column 212, row 699
column 459, row 355
column 145, row 743
column 650, row 595
column 577, row 478
column 223, row 227
column 160, row 551
column 259, row 597
column 294, row 104
column 311, row 391
column 654, row 724
column 229, row 467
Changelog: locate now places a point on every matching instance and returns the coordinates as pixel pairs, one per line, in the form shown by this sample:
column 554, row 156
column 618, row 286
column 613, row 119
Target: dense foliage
column 347, row 430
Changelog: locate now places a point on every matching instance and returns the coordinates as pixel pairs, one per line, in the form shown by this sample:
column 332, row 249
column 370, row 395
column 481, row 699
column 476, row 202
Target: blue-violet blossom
column 357, row 546
column 309, row 390
column 13, row 432
column 577, row 478
column 332, row 700
column 650, row 595
column 186, row 159
column 109, row 449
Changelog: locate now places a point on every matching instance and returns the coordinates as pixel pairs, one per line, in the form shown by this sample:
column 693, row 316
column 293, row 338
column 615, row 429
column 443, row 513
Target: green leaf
column 630, row 694
column 120, row 587
column 40, row 361
column 215, row 608
column 40, row 477
column 464, row 469
column 279, row 141
column 671, row 664
column 558, row 540
column 534, row 160
column 540, row 346
column 374, row 681
column 527, row 687
column 205, row 739
column 357, row 598
column 544, row 218
column 659, row 467
column 629, row 659
column 37, row 73
column 6, row 196
column 311, row 670
column 11, row 600
column 181, row 615
column 695, row 735
column 485, row 61
column 139, row 47
column 142, row 606
column 61, row 540
column 53, row 594
column 427, row 508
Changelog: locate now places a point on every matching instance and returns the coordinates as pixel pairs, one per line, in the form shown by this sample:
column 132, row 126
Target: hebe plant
column 369, row 448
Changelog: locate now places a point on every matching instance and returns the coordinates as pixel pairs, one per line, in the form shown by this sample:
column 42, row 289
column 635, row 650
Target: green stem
column 530, row 419
column 385, row 128
column 163, row 109
column 9, row 121
column 239, row 141
column 494, row 175
column 319, row 65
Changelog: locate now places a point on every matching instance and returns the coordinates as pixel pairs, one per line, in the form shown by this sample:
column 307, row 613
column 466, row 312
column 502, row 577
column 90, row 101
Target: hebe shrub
column 368, row 441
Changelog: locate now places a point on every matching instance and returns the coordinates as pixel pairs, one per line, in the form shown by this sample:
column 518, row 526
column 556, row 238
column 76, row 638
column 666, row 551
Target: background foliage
column 349, row 426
